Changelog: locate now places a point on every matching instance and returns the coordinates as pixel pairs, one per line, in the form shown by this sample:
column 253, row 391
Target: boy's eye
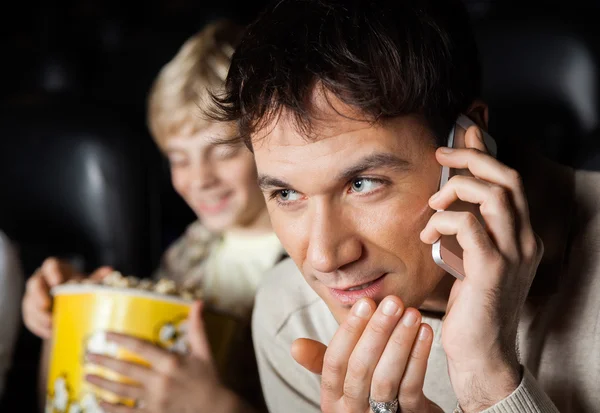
column 226, row 151
column 362, row 185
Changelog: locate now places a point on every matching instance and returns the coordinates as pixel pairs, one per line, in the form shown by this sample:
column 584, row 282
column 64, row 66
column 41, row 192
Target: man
column 347, row 107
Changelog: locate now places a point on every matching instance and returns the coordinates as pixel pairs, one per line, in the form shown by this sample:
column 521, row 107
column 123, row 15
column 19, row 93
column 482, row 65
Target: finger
column 40, row 330
column 486, row 167
column 134, row 371
column 37, row 301
column 128, row 391
column 37, row 291
column 36, row 308
column 309, row 354
column 474, row 139
column 411, row 395
column 369, row 349
column 120, row 408
column 391, row 365
column 55, row 271
column 335, row 362
column 161, row 360
column 198, row 341
column 468, row 230
column 494, row 205
column 39, row 323
column 101, row 272
column 471, row 236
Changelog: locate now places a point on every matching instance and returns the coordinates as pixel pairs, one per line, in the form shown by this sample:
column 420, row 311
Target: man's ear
column 478, row 112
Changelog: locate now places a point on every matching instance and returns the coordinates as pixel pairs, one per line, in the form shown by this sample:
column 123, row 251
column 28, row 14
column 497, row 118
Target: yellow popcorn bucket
column 82, row 314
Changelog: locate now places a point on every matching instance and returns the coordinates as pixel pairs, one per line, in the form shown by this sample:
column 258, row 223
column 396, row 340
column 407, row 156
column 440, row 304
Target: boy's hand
column 174, row 383
column 37, row 302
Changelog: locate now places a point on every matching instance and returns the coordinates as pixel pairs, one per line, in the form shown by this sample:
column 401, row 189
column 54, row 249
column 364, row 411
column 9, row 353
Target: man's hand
column 37, row 302
column 381, row 353
column 500, row 261
column 174, row 383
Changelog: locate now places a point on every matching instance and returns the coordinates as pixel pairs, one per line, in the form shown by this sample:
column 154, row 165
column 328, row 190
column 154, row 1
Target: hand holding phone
column 446, row 251
column 499, row 262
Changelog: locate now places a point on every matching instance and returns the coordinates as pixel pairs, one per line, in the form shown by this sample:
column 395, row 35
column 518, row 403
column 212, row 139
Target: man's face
column 349, row 204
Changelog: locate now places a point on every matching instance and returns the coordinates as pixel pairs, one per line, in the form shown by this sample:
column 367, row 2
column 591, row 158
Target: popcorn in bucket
column 83, row 312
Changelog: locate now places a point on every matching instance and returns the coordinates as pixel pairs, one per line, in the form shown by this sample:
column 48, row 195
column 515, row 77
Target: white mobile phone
column 447, row 253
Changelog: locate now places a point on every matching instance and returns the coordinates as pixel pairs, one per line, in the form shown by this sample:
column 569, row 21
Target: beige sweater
column 559, row 334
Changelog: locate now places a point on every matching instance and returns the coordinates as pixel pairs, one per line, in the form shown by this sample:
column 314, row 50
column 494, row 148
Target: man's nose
column 333, row 242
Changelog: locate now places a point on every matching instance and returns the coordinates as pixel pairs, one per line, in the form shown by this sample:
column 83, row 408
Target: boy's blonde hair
column 181, row 94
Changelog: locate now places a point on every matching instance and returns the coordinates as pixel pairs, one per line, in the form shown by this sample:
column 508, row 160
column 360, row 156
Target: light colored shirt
column 11, row 290
column 235, row 269
column 559, row 331
column 228, row 268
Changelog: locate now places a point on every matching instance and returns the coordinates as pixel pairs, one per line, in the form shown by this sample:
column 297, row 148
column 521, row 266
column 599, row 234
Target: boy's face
column 350, row 204
column 218, row 182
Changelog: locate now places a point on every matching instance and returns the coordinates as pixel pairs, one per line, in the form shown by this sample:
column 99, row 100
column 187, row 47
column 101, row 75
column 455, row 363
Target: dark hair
column 386, row 58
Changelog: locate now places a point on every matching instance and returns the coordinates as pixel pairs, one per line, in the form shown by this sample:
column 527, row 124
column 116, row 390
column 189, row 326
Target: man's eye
column 287, row 195
column 364, row 185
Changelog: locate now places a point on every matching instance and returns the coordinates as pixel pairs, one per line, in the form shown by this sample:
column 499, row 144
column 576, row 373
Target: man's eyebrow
column 266, row 182
column 374, row 161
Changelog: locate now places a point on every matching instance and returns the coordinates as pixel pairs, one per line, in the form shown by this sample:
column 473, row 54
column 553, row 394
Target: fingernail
column 434, row 196
column 390, row 307
column 423, row 333
column 445, row 149
column 362, row 309
column 409, row 319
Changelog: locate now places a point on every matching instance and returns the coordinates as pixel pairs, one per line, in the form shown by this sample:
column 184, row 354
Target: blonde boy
column 226, row 251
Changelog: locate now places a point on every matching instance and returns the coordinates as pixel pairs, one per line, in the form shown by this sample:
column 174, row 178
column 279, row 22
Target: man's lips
column 351, row 294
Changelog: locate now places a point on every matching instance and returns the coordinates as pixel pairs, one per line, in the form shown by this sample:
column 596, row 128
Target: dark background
column 80, row 177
